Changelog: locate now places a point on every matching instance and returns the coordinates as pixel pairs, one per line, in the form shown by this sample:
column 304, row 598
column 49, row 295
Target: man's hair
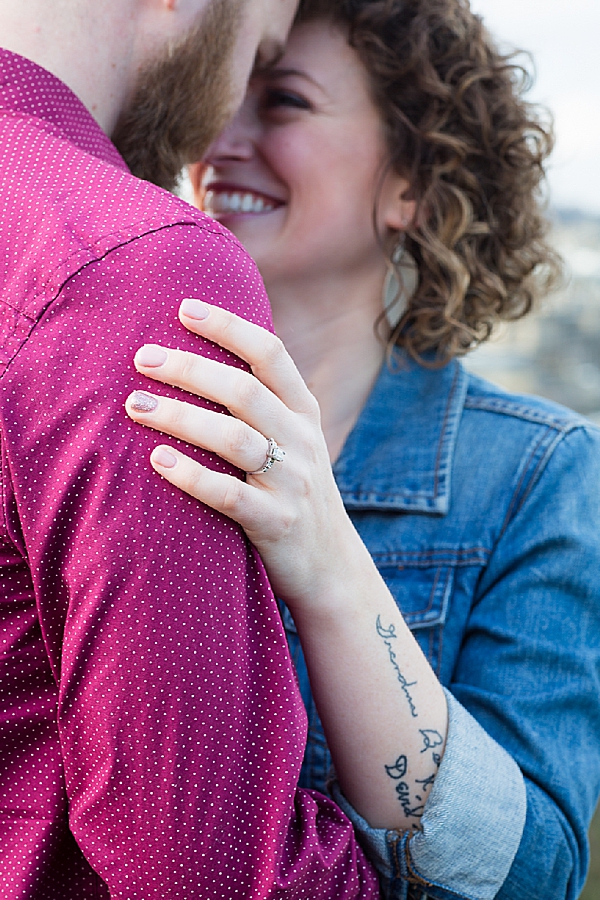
column 473, row 151
column 182, row 100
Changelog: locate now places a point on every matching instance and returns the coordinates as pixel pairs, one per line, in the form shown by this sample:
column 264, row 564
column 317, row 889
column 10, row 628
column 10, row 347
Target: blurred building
column 555, row 352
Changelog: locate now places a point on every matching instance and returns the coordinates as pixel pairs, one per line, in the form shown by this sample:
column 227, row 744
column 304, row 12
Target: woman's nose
column 236, row 141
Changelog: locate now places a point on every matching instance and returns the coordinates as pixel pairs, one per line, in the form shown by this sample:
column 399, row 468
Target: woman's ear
column 396, row 210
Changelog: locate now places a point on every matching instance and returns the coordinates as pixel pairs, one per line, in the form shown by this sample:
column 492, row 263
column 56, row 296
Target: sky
column 564, row 39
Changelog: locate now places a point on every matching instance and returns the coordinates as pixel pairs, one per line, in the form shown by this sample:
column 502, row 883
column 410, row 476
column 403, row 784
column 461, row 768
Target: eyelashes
column 278, row 99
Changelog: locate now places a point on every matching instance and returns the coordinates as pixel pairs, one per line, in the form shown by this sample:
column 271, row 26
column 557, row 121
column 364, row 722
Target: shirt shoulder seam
column 96, row 253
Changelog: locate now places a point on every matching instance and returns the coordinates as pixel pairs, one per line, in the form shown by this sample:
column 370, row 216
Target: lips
column 222, row 200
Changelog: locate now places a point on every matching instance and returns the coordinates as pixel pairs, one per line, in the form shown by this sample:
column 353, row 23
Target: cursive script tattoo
column 397, row 771
column 426, row 782
column 431, row 739
column 389, row 635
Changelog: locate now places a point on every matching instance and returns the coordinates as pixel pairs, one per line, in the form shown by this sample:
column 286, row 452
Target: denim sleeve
column 462, row 849
column 529, row 668
column 512, row 801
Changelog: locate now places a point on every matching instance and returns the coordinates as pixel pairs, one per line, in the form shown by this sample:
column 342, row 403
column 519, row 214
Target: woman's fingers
column 264, row 400
column 263, row 351
column 239, row 391
column 225, row 493
column 227, row 436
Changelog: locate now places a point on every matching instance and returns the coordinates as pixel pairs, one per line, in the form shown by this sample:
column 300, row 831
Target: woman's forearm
column 383, row 709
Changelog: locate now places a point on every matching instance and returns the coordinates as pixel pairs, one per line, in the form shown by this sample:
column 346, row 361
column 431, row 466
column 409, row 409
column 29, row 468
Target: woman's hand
column 292, row 513
column 353, row 634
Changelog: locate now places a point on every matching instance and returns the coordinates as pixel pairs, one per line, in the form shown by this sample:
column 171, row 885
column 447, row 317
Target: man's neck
column 88, row 46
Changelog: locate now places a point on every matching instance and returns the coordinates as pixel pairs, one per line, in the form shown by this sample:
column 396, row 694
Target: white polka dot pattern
column 151, row 733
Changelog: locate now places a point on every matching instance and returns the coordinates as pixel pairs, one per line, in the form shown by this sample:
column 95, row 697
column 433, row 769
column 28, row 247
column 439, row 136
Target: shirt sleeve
column 151, row 695
column 509, row 811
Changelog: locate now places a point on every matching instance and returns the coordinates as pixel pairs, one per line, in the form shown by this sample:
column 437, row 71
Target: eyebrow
column 273, row 72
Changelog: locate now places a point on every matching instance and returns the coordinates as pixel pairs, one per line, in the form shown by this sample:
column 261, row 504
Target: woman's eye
column 275, row 99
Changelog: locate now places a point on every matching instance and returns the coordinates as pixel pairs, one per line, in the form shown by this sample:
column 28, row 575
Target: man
column 150, row 731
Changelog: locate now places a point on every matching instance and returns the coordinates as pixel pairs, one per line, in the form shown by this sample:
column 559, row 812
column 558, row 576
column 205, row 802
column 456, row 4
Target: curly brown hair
column 473, row 151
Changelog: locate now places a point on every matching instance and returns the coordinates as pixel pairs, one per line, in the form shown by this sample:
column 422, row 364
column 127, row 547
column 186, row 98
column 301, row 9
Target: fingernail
column 143, row 402
column 162, row 457
column 151, row 356
column 195, row 309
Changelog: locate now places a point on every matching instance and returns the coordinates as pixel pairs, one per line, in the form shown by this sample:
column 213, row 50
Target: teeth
column 216, row 202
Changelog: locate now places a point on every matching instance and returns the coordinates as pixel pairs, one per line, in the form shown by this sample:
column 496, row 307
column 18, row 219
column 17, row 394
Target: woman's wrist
column 338, row 581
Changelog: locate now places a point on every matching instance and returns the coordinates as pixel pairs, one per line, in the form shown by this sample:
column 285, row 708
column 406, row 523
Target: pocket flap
column 422, row 594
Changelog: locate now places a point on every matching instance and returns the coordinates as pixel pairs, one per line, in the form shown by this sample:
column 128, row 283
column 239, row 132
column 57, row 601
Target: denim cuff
column 472, row 824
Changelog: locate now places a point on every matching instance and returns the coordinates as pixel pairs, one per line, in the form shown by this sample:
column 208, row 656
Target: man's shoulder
column 64, row 212
column 64, row 208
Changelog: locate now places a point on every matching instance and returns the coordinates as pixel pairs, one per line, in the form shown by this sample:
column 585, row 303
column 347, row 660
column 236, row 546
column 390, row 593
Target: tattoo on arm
column 426, row 782
column 388, row 635
column 397, row 772
column 431, row 738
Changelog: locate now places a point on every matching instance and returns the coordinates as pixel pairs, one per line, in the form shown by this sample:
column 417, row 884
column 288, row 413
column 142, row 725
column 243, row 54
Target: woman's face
column 296, row 174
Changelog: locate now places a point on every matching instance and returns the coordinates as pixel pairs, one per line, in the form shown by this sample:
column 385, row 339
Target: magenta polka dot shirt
column 151, row 732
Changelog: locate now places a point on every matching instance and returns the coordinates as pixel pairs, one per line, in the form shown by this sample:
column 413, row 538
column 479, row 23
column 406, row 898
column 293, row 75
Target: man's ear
column 196, row 173
column 396, row 210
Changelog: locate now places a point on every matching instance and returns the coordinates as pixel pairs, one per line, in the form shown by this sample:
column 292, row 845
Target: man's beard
column 182, row 100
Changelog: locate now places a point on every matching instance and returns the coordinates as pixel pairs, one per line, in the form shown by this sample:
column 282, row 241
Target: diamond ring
column 274, row 454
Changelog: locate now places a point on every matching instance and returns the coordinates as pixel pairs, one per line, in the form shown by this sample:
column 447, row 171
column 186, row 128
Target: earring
column 397, row 292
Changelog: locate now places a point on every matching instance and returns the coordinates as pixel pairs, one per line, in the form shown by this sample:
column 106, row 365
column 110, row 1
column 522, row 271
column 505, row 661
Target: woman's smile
column 224, row 201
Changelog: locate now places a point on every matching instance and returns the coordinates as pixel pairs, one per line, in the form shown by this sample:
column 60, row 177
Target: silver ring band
column 274, row 454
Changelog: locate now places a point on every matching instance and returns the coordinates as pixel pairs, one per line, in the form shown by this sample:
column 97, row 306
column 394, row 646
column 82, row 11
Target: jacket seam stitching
column 432, row 593
column 449, row 405
column 413, row 875
column 439, row 556
column 530, row 415
column 524, row 475
column 517, row 502
column 537, row 471
column 415, row 878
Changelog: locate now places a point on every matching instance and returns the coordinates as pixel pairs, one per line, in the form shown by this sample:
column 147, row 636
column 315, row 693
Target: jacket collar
column 399, row 454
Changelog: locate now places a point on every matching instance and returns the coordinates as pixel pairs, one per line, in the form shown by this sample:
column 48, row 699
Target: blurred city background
column 556, row 351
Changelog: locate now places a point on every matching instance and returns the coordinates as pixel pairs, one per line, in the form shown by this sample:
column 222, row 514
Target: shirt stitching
column 449, row 406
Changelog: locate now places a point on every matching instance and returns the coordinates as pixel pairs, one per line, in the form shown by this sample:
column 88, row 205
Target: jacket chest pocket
column 422, row 594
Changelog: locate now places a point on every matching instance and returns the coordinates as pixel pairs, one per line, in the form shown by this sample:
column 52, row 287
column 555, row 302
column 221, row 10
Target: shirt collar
column 399, row 454
column 28, row 89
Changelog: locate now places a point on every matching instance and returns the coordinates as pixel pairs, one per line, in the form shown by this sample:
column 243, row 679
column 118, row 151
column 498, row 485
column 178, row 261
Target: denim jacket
column 481, row 510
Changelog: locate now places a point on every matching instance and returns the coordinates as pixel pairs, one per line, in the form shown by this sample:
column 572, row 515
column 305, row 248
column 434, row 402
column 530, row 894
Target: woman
column 392, row 138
